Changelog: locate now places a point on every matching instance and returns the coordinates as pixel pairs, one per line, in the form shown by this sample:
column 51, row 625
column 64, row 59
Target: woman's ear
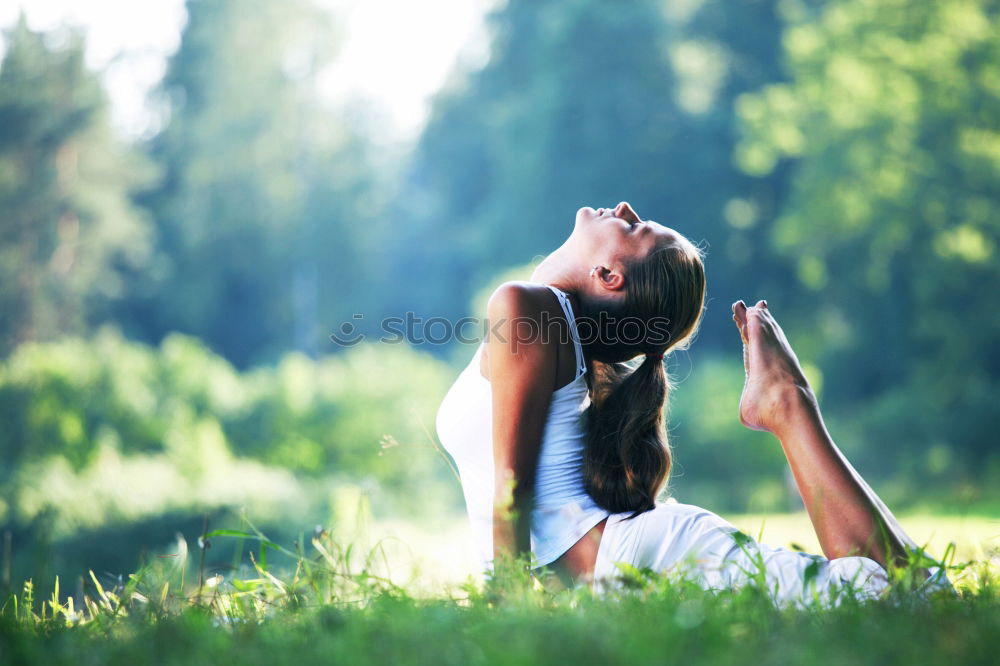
column 607, row 279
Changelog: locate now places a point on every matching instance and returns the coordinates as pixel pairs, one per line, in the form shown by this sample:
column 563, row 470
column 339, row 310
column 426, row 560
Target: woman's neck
column 561, row 270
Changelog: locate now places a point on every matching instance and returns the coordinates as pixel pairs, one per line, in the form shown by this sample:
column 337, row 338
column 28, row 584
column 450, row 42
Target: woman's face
column 617, row 236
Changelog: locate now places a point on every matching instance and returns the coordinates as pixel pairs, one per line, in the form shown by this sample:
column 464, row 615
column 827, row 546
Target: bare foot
column 775, row 384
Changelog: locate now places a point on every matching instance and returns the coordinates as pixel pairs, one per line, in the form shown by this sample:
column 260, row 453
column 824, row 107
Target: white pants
column 701, row 546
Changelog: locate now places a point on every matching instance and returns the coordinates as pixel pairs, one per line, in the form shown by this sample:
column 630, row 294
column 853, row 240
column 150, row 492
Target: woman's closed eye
column 628, row 221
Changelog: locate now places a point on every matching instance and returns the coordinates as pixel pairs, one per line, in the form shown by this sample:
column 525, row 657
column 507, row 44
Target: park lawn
column 663, row 623
column 312, row 609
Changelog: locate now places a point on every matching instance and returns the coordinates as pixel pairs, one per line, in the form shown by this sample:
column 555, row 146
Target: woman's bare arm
column 522, row 376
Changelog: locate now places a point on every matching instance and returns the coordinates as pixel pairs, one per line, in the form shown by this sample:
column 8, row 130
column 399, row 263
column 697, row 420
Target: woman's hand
column 775, row 389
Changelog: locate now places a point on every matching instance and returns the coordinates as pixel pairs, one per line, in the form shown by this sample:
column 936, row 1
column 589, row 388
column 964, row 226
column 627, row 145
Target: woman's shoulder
column 521, row 299
column 525, row 327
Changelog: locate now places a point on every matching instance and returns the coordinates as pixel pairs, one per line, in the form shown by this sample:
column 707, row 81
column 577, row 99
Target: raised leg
column 849, row 518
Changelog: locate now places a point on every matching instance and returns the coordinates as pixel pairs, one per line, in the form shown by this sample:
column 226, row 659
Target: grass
column 322, row 601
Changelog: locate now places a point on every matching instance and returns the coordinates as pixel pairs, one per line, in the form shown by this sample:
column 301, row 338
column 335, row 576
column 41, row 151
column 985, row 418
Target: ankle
column 795, row 404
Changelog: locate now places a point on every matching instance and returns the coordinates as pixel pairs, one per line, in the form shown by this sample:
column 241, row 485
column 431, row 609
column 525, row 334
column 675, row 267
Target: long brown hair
column 627, row 459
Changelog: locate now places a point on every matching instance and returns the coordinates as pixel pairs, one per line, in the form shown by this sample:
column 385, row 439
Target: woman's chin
column 586, row 214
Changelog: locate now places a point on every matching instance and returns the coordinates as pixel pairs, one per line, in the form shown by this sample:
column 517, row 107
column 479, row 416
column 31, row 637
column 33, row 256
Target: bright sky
column 129, row 41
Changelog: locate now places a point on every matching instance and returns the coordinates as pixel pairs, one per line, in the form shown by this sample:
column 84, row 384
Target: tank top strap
column 567, row 307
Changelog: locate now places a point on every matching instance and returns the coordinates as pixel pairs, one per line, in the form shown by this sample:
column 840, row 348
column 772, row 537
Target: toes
column 761, row 313
column 740, row 310
column 740, row 318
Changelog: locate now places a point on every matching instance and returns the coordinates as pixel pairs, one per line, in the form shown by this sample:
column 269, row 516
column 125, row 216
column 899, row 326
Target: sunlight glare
column 398, row 53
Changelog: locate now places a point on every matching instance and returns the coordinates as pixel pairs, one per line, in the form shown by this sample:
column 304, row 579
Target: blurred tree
column 68, row 227
column 722, row 51
column 573, row 108
column 894, row 112
column 266, row 194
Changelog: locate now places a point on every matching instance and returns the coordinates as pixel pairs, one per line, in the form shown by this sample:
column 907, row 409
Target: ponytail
column 627, row 458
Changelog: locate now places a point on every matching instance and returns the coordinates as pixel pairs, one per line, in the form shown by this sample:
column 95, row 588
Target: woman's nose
column 625, row 212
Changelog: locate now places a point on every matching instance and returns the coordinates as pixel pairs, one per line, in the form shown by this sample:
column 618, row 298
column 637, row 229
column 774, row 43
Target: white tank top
column 563, row 511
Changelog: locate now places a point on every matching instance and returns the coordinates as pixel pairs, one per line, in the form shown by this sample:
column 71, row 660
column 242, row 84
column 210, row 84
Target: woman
column 561, row 446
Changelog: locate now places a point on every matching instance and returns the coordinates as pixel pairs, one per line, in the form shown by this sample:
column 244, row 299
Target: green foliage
column 69, row 231
column 717, row 462
column 861, row 201
column 90, row 424
column 891, row 114
column 334, row 414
